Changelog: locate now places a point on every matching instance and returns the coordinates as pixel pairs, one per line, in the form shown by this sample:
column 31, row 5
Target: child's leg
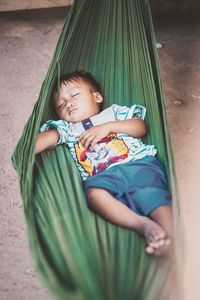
column 163, row 216
column 103, row 203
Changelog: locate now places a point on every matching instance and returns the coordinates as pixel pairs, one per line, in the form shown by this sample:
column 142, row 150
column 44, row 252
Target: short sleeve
column 62, row 127
column 125, row 112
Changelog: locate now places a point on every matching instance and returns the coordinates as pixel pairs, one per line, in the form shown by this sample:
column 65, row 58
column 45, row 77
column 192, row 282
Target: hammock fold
column 80, row 255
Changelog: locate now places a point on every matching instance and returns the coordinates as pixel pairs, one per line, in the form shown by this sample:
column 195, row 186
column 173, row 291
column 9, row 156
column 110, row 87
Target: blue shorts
column 141, row 184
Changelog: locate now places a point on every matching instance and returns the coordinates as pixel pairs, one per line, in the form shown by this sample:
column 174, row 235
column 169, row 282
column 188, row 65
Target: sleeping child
column 123, row 180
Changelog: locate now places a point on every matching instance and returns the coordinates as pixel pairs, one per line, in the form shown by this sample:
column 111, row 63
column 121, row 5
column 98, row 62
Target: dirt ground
column 27, row 42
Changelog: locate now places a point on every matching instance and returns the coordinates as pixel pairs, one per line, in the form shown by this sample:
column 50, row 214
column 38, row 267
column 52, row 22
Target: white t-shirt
column 111, row 150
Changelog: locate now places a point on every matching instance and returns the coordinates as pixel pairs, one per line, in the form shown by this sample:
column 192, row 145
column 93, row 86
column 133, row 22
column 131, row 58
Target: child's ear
column 98, row 97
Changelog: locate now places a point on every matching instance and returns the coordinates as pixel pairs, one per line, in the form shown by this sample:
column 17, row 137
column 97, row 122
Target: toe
column 149, row 250
column 161, row 242
column 154, row 245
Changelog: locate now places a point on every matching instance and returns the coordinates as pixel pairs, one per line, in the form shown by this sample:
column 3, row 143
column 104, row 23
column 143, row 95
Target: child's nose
column 69, row 104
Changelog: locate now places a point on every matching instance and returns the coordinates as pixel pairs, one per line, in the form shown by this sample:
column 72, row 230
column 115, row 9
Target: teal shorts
column 141, row 184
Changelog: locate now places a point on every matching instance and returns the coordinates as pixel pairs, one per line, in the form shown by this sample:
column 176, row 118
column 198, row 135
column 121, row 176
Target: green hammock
column 81, row 256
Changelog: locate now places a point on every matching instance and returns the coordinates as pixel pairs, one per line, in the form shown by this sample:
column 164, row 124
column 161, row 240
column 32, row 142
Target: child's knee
column 91, row 195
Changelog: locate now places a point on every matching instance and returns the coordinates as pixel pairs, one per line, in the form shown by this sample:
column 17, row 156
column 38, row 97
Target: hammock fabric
column 80, row 255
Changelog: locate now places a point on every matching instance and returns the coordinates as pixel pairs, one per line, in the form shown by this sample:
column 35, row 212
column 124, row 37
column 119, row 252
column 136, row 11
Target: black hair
column 86, row 77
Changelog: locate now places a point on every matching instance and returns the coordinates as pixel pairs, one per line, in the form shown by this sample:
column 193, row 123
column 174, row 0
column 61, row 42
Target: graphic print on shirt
column 107, row 151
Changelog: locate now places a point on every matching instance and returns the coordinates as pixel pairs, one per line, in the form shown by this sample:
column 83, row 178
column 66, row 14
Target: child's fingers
column 89, row 138
column 83, row 138
column 95, row 140
column 88, row 141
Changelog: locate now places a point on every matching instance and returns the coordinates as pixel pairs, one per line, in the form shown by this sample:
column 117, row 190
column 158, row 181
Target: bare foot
column 157, row 242
column 159, row 248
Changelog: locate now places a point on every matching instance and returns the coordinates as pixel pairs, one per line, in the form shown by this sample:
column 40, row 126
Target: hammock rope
column 79, row 255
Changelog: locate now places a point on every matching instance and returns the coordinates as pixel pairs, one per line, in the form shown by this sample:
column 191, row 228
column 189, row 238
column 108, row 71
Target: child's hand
column 93, row 135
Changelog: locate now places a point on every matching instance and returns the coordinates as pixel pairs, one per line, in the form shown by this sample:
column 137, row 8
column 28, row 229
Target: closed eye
column 60, row 106
column 74, row 95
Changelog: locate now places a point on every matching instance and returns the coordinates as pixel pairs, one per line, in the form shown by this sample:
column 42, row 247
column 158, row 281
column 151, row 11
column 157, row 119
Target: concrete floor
column 27, row 42
column 8, row 5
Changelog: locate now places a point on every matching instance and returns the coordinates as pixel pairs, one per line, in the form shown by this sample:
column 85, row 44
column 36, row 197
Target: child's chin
column 75, row 120
column 71, row 120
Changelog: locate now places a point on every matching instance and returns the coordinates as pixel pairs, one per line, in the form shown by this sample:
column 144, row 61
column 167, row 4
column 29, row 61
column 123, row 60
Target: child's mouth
column 73, row 111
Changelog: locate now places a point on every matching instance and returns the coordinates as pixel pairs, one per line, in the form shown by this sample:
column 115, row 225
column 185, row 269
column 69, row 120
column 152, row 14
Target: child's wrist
column 112, row 127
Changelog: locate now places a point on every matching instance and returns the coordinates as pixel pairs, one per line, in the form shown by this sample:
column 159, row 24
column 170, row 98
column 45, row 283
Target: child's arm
column 134, row 127
column 46, row 140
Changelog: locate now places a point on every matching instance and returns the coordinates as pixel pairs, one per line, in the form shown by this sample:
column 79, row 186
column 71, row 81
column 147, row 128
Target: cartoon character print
column 107, row 151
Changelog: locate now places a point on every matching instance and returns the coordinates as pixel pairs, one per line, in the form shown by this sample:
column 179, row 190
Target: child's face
column 77, row 101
